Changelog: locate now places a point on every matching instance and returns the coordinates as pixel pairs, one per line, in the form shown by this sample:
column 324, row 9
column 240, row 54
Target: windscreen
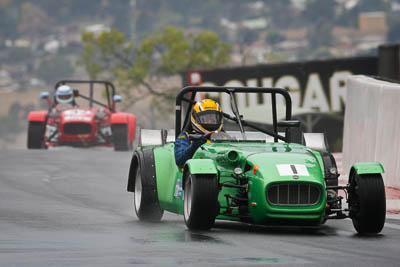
column 233, row 136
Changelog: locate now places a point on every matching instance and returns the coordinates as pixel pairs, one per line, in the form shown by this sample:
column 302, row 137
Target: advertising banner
column 317, row 88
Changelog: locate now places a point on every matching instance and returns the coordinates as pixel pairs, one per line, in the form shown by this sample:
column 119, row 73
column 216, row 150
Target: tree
column 321, row 36
column 274, row 37
column 317, row 11
column 165, row 53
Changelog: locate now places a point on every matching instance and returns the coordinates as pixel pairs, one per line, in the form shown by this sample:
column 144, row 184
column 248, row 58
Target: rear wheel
column 367, row 202
column 200, row 201
column 36, row 135
column 121, row 137
column 146, row 203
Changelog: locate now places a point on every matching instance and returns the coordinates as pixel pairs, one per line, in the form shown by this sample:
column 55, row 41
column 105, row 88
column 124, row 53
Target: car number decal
column 292, row 169
column 77, row 118
column 77, row 112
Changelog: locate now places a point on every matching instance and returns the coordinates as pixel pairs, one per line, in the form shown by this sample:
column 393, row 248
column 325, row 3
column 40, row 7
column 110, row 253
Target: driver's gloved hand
column 196, row 143
column 208, row 135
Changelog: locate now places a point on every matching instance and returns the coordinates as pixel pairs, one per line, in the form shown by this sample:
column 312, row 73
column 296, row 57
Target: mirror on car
column 289, row 124
column 117, row 98
column 44, row 95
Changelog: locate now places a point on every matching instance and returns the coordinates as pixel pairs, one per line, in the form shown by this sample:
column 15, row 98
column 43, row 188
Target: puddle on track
column 184, row 236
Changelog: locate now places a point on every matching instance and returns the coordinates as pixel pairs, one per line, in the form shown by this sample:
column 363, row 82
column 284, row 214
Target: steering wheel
column 196, row 137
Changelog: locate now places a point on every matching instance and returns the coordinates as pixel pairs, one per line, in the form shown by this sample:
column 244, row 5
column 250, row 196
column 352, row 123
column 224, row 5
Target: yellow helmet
column 206, row 116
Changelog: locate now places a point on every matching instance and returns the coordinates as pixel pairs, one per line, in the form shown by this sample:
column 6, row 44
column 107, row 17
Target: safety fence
column 372, row 125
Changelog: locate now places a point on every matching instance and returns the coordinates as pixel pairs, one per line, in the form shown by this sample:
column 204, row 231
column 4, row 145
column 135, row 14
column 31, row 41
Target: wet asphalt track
column 69, row 207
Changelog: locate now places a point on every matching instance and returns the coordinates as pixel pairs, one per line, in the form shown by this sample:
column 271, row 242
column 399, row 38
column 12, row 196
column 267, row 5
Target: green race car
column 254, row 173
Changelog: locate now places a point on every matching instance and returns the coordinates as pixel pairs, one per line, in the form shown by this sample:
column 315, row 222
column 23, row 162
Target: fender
column 146, row 160
column 367, row 168
column 136, row 158
column 199, row 166
column 131, row 127
column 119, row 117
column 125, row 118
column 39, row 116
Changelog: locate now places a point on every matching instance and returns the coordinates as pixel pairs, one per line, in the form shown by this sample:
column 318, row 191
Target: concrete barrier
column 372, row 125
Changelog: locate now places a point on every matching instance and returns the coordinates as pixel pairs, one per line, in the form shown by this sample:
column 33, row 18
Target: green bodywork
column 368, row 168
column 201, row 166
column 259, row 161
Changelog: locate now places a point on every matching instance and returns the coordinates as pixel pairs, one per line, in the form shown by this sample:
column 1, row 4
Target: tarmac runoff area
column 392, row 194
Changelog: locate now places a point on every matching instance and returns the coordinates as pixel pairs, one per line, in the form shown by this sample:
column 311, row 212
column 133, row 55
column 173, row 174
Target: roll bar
column 180, row 98
column 108, row 85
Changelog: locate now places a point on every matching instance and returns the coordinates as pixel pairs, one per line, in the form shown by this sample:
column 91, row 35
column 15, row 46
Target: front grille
column 77, row 128
column 293, row 194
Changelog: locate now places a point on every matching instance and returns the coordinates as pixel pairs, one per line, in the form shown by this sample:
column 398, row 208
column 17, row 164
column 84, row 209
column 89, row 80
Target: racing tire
column 367, row 203
column 36, row 135
column 147, row 207
column 120, row 135
column 200, row 201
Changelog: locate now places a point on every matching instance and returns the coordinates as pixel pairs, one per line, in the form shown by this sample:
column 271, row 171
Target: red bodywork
column 39, row 116
column 82, row 126
column 78, row 126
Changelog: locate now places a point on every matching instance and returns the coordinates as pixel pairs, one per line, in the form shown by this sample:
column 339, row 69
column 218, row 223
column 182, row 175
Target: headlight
column 238, row 171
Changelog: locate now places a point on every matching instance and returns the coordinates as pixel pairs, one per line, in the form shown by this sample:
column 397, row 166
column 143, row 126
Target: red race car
column 75, row 118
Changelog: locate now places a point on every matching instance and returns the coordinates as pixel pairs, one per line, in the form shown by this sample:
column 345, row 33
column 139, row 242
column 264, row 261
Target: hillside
column 40, row 41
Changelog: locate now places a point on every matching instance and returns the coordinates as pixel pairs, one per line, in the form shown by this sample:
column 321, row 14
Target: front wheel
column 120, row 135
column 36, row 135
column 200, row 201
column 367, row 203
column 146, row 203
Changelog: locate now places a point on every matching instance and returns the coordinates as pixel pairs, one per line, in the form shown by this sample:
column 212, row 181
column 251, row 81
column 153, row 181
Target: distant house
column 299, row 34
column 22, row 43
column 255, row 24
column 97, row 28
column 52, row 46
column 293, row 40
column 372, row 23
column 372, row 30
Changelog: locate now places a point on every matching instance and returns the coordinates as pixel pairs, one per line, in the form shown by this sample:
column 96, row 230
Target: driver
column 206, row 118
column 63, row 99
column 64, row 96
